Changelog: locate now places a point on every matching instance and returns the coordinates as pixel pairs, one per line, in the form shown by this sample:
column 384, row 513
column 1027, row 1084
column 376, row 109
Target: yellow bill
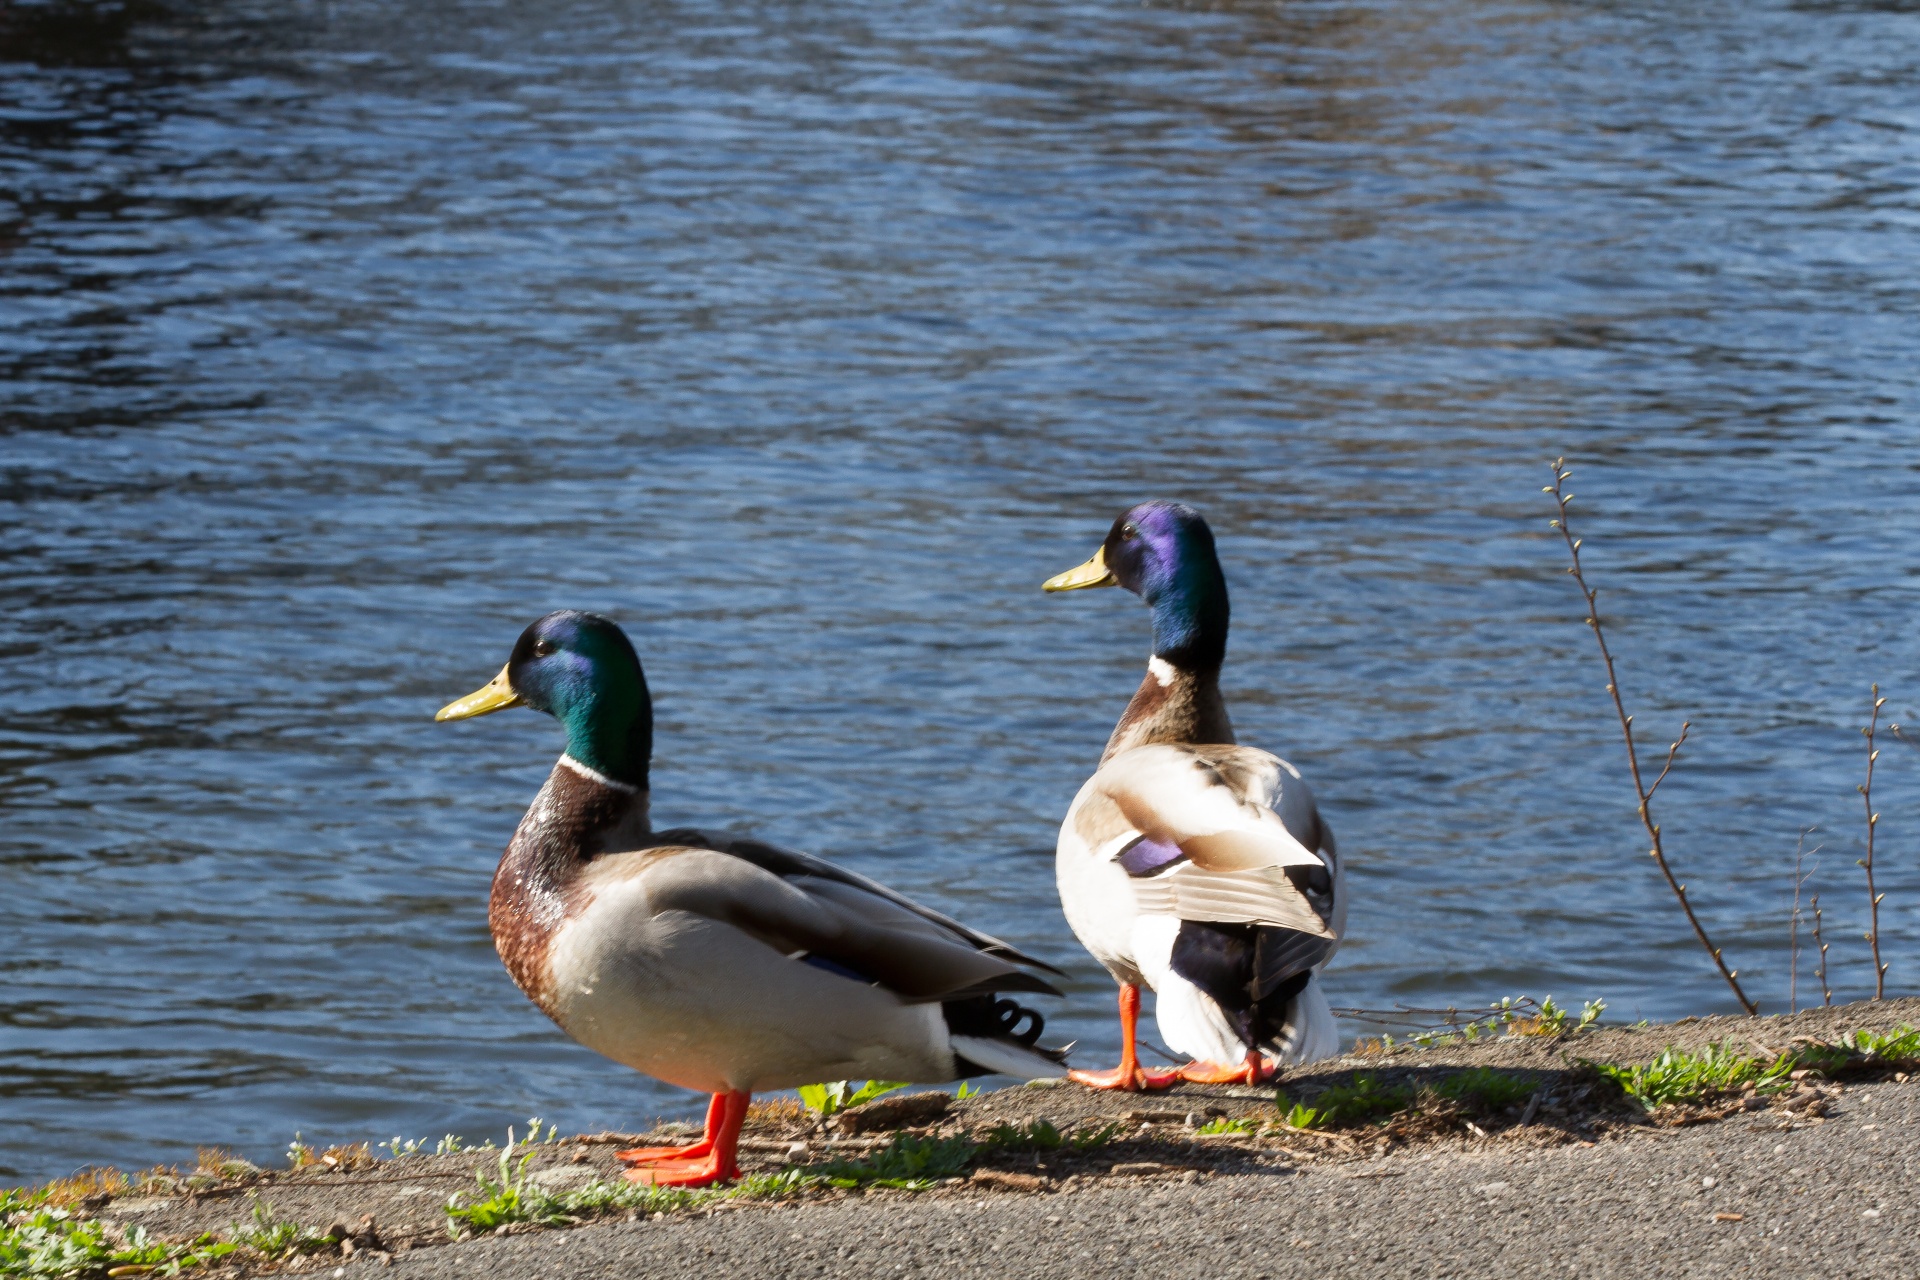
column 1093, row 573
column 496, row 695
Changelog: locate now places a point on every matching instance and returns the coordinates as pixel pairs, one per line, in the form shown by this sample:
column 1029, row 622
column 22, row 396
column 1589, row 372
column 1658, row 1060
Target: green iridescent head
column 581, row 669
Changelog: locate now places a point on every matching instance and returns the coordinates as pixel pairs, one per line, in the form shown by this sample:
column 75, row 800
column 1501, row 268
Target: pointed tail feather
column 993, row 1034
column 977, row 1055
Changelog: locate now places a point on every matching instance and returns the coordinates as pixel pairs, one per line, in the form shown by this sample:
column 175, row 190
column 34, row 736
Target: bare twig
column 1561, row 497
column 1332, row 1139
column 1672, row 751
column 1793, row 928
column 1826, row 992
column 1873, row 820
column 1450, row 1019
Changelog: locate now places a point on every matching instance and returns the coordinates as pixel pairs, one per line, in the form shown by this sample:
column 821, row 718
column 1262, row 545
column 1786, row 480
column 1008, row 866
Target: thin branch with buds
column 1826, row 992
column 1873, row 820
column 1658, row 852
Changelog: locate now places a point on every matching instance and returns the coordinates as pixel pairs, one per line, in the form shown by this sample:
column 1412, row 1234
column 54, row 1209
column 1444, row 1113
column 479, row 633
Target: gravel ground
column 1831, row 1199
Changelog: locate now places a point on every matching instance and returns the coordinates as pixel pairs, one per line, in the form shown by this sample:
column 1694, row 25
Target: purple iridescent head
column 1163, row 553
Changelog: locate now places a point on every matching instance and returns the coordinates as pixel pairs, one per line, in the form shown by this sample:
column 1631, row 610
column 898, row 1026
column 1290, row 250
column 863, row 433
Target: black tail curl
column 997, row 1018
column 994, row 1018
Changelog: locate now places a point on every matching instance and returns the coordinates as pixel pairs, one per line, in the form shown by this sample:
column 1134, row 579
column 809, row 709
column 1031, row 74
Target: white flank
column 1312, row 1033
column 1189, row 1020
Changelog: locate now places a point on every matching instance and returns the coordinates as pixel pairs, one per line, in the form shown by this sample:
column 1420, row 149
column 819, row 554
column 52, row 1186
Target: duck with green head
column 1187, row 864
column 710, row 961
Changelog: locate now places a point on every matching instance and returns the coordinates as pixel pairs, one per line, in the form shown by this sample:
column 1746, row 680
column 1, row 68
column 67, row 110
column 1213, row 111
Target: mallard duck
column 713, row 962
column 1189, row 865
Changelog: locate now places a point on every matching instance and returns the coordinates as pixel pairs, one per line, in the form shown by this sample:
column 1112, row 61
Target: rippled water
column 343, row 339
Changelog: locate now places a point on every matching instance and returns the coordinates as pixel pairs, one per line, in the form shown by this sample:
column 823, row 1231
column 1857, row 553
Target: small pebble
column 1709, row 1182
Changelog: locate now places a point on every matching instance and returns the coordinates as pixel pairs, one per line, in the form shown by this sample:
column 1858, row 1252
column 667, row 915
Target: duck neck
column 1190, row 616
column 1173, row 704
column 1179, row 700
column 611, row 733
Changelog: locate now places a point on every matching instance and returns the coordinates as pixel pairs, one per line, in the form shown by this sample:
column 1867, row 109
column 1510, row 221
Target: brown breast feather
column 535, row 886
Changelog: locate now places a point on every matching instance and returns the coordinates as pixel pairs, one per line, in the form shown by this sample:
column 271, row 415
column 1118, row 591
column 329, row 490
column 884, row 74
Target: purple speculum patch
column 1147, row 856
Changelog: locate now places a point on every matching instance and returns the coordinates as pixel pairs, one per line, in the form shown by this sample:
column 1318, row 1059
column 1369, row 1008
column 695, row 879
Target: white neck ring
column 594, row 775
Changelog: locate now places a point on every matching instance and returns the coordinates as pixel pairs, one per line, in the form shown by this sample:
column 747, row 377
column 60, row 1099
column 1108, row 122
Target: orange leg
column 1129, row 1075
column 720, row 1163
column 1257, row 1069
column 653, row 1155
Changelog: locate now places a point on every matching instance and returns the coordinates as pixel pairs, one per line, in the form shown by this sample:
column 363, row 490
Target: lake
column 343, row 339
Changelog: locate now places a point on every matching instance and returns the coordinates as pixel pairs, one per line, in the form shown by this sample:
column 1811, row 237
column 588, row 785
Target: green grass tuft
column 1486, row 1089
column 1891, row 1049
column 1364, row 1100
column 907, row 1163
column 38, row 1240
column 831, row 1099
column 1677, row 1076
column 273, row 1238
column 510, row 1197
column 1224, row 1125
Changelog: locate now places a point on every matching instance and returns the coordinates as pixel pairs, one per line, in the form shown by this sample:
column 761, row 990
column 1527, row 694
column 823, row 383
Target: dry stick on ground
column 1826, row 992
column 1658, row 852
column 1873, row 820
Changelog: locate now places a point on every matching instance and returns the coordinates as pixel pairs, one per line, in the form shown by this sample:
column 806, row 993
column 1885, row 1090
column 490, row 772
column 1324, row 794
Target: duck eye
column 1128, row 532
column 542, row 648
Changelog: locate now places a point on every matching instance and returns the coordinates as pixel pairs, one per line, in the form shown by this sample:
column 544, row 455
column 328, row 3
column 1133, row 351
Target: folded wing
column 1215, row 833
column 809, row 909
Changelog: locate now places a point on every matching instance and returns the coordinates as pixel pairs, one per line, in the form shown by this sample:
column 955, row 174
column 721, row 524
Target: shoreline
column 1436, row 1112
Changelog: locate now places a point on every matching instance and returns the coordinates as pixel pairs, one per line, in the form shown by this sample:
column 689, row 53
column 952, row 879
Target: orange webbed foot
column 1136, row 1079
column 654, row 1155
column 1129, row 1076
column 698, row 1149
column 704, row 1163
column 1257, row 1069
column 705, row 1173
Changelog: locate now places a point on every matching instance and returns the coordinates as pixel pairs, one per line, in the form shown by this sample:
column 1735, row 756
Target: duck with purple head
column 712, row 961
column 1187, row 864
